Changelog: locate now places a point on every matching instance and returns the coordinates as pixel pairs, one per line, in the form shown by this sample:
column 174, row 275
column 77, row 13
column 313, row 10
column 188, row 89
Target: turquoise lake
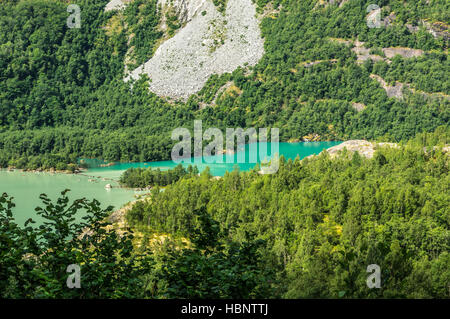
column 229, row 162
column 26, row 187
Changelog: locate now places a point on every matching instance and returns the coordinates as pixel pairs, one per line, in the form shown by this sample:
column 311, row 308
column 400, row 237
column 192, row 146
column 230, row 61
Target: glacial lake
column 26, row 187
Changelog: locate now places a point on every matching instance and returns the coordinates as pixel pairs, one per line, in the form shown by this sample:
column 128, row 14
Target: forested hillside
column 322, row 221
column 62, row 94
column 309, row 231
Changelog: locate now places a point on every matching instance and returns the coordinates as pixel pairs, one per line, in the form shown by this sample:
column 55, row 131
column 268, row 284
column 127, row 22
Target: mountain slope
column 62, row 94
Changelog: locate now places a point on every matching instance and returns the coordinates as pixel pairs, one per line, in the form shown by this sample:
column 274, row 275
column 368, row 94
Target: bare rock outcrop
column 364, row 54
column 363, row 147
column 404, row 52
column 116, row 5
column 395, row 91
column 438, row 29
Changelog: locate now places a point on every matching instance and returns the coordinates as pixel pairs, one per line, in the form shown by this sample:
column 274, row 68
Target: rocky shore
column 363, row 147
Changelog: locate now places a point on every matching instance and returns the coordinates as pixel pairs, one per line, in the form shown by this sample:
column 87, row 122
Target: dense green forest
column 309, row 231
column 34, row 260
column 322, row 221
column 149, row 177
column 62, row 94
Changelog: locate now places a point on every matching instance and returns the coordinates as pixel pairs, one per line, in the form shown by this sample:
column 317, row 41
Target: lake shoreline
column 102, row 183
column 100, row 170
column 79, row 170
column 92, row 178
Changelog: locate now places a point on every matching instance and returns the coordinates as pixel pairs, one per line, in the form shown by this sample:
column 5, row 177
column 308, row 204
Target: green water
column 288, row 150
column 26, row 187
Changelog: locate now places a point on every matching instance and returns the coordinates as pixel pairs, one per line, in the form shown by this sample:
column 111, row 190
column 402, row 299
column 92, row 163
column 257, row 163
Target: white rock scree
column 210, row 43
